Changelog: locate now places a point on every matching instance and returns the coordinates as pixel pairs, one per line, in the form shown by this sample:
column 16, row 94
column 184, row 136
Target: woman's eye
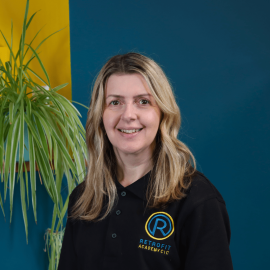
column 144, row 101
column 114, row 102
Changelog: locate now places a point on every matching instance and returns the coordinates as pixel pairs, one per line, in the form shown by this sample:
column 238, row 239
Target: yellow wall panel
column 54, row 52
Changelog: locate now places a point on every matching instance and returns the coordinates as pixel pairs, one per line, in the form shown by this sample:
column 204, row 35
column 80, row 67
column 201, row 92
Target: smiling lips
column 130, row 130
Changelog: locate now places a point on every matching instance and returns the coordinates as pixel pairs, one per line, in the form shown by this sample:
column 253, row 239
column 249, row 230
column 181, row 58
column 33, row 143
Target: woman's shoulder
column 76, row 193
column 202, row 189
column 201, row 197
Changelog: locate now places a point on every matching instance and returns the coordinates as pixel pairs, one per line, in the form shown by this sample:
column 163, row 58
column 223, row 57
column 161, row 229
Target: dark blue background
column 216, row 55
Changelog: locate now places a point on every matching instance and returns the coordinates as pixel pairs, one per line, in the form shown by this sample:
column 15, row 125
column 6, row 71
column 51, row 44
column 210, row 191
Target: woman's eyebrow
column 118, row 96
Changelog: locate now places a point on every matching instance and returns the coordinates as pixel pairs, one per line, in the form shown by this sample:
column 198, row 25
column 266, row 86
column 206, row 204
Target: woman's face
column 131, row 116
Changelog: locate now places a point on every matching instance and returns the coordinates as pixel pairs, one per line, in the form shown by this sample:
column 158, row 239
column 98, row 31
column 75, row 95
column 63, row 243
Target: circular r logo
column 159, row 226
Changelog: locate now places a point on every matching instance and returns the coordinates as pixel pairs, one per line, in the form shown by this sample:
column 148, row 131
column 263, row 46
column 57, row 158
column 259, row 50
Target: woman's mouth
column 130, row 131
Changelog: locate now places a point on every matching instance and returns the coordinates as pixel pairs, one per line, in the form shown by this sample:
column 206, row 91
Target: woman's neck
column 130, row 174
column 132, row 167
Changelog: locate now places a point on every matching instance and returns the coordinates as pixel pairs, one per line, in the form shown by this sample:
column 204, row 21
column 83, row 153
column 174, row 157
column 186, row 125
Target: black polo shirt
column 192, row 233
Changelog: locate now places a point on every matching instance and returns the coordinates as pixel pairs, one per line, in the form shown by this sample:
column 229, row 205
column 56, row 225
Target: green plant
column 53, row 245
column 56, row 137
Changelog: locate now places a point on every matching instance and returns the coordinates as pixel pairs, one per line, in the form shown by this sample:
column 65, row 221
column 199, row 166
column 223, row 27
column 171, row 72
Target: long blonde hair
column 173, row 162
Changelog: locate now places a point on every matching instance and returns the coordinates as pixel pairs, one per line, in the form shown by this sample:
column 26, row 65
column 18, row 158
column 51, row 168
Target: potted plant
column 42, row 122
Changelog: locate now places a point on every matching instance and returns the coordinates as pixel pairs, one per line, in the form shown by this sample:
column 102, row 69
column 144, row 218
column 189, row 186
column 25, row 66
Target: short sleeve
column 68, row 258
column 206, row 236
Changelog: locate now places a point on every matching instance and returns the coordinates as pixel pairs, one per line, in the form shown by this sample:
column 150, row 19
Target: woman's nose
column 129, row 112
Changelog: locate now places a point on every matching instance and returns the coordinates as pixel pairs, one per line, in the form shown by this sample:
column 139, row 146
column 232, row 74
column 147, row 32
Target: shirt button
column 114, row 235
column 118, row 212
column 123, row 193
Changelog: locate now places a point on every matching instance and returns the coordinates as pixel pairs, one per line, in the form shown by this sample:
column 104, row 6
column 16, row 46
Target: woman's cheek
column 110, row 118
column 153, row 117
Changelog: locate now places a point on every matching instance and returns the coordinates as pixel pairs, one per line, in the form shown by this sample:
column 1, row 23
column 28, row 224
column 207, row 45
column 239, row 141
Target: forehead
column 126, row 84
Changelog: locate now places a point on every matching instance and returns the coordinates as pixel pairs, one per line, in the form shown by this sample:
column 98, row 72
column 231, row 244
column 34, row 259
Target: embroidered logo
column 159, row 226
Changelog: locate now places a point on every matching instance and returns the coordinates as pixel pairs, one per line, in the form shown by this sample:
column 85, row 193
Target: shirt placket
column 113, row 245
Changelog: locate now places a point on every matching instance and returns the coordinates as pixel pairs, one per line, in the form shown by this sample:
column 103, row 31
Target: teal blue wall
column 217, row 57
column 14, row 252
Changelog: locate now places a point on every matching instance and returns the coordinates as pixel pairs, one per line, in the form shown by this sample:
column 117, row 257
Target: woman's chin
column 130, row 150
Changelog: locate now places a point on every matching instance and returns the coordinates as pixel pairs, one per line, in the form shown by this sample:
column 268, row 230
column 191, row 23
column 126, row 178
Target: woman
column 143, row 205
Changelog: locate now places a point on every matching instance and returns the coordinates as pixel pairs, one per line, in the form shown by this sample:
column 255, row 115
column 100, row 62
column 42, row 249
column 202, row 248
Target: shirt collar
column 138, row 187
